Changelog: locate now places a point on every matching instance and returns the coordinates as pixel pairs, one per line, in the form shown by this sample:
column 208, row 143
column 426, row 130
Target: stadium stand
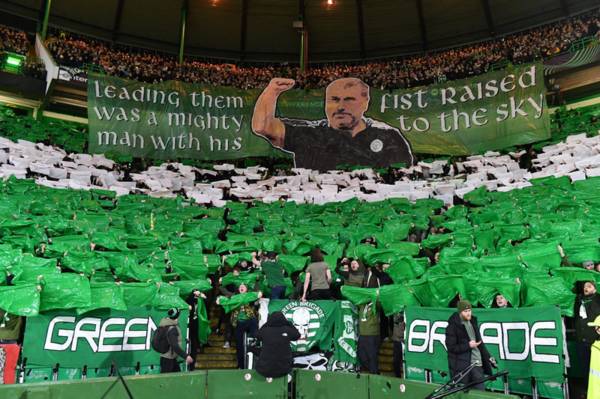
column 151, row 66
column 83, row 232
column 17, row 42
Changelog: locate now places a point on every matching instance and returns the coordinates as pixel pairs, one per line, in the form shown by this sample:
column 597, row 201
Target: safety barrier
column 233, row 384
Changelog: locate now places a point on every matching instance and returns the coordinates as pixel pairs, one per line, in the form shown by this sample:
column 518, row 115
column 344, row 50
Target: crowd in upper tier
column 14, row 41
column 541, row 42
column 150, row 66
column 17, row 41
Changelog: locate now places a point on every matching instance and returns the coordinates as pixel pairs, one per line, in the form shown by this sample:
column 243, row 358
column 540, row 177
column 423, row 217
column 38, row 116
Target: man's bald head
column 346, row 101
column 349, row 83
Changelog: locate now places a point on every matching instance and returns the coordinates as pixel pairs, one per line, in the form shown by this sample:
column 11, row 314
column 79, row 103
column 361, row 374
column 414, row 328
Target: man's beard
column 346, row 126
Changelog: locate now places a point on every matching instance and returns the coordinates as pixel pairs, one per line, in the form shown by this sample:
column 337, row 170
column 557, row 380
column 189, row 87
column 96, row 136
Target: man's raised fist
column 279, row 85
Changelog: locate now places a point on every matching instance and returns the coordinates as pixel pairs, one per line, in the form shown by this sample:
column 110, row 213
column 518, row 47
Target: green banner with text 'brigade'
column 527, row 342
column 348, row 123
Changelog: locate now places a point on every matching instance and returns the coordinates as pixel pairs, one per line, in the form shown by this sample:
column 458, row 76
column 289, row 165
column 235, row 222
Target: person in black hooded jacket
column 587, row 308
column 465, row 346
column 275, row 358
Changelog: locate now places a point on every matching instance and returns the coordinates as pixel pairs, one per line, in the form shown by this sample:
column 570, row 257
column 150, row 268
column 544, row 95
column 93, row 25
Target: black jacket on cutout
column 457, row 344
column 275, row 358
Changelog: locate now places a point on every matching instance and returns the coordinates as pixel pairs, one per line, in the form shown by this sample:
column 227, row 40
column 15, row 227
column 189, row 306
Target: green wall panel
column 326, row 385
column 232, row 384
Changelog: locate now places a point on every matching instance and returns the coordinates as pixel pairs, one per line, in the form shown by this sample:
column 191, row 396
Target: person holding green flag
column 274, row 275
column 244, row 318
column 193, row 303
column 354, row 274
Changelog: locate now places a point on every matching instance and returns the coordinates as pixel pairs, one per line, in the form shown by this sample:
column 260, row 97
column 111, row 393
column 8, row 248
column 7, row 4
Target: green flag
column 394, row 298
column 203, row 323
column 314, row 320
column 483, row 289
column 105, row 296
column 238, row 300
column 540, row 290
column 293, row 263
column 360, row 296
column 505, row 333
column 168, row 297
column 345, row 335
column 64, row 291
column 22, row 300
column 139, row 294
column 247, row 278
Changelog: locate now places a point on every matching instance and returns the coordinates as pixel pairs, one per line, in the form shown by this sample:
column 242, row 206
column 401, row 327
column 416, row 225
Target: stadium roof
column 262, row 29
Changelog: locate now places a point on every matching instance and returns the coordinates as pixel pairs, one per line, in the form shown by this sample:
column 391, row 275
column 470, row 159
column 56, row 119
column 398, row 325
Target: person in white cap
column 594, row 376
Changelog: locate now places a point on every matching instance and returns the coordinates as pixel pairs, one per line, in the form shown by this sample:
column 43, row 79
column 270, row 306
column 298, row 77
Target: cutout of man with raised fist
column 346, row 136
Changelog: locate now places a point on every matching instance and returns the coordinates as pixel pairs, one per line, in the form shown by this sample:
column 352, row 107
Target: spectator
column 369, row 338
column 227, row 291
column 192, row 301
column 450, row 64
column 274, row 274
column 501, row 302
column 588, row 265
column 587, row 308
column 10, row 327
column 594, row 365
column 275, row 358
column 244, row 321
column 354, row 274
column 398, row 339
column 465, row 347
column 168, row 360
column 318, row 271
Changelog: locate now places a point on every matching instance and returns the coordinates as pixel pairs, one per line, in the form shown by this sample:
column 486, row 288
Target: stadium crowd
column 72, row 50
column 14, row 40
column 297, row 270
column 150, row 66
column 314, row 279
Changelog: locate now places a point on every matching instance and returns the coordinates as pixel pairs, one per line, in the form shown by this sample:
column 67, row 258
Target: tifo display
column 433, row 217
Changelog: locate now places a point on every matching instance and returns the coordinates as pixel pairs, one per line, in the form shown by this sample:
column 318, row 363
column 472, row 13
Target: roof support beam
column 244, row 27
column 488, row 17
column 361, row 28
column 117, row 23
column 303, row 36
column 422, row 26
column 44, row 17
column 182, row 26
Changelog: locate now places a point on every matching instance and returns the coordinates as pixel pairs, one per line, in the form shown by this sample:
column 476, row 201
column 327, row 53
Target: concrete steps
column 216, row 364
column 207, row 357
column 386, row 358
column 215, row 356
column 217, row 350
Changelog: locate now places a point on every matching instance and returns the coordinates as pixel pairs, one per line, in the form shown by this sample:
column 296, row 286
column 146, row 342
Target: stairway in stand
column 215, row 356
column 386, row 357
